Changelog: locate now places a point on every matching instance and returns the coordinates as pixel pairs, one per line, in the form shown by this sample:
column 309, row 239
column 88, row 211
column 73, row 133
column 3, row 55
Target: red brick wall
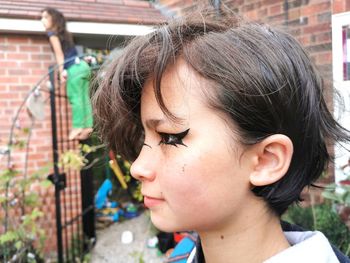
column 309, row 21
column 24, row 60
column 340, row 6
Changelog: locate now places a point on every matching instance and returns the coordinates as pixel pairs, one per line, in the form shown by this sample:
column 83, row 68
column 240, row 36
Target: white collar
column 305, row 247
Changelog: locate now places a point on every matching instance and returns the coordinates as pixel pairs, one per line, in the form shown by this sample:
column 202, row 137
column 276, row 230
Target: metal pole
column 87, row 198
column 56, row 175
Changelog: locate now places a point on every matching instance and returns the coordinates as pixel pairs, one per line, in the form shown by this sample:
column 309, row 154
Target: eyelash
column 173, row 139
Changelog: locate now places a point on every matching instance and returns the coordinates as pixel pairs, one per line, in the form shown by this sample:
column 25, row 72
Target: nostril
column 141, row 171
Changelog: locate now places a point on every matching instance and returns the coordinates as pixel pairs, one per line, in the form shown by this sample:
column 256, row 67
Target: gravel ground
column 109, row 247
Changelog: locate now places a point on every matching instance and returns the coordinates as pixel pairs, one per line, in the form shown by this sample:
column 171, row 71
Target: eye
column 173, row 139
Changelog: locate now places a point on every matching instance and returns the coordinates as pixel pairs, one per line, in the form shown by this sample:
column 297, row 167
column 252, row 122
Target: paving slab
column 109, row 247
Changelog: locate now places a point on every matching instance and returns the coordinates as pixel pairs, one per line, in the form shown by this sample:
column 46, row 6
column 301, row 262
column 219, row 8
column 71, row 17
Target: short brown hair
column 261, row 77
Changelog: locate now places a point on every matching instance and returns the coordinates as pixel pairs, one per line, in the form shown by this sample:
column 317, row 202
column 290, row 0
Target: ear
column 271, row 159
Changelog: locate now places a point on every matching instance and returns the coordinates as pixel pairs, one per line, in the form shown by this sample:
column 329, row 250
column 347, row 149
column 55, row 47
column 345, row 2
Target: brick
column 9, row 64
column 39, row 71
column 324, row 58
column 316, row 8
column 262, row 12
column 46, row 49
column 324, row 17
column 253, row 15
column 22, row 56
column 316, row 28
column 38, row 40
column 9, row 96
column 276, row 9
column 31, row 64
column 8, row 80
column 17, row 40
column 324, row 37
column 270, row 2
column 338, row 6
column 295, row 3
column 304, row 40
column 294, row 14
column 19, row 72
column 41, row 57
column 19, row 87
column 8, row 48
column 320, row 47
column 3, row 104
column 29, row 48
column 38, row 156
column 31, row 80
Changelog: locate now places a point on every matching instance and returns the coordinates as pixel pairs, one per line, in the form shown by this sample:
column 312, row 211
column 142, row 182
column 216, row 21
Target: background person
column 75, row 72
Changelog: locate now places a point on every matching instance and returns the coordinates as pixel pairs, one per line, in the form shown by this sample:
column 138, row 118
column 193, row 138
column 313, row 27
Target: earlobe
column 272, row 159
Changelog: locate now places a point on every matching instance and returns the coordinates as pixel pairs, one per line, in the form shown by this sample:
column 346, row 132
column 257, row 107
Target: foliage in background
column 76, row 246
column 23, row 238
column 133, row 184
column 340, row 193
column 322, row 218
column 76, row 159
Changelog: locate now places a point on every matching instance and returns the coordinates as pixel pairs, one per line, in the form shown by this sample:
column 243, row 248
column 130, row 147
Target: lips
column 152, row 201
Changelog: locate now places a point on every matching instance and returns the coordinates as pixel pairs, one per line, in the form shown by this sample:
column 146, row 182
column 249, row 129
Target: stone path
column 109, row 247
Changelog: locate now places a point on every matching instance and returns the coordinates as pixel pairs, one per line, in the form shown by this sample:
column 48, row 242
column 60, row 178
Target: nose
column 143, row 168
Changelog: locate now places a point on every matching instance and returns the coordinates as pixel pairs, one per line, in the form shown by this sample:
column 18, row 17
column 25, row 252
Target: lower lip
column 150, row 202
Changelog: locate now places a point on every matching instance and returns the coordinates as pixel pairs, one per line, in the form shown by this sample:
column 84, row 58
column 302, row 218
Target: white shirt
column 306, row 247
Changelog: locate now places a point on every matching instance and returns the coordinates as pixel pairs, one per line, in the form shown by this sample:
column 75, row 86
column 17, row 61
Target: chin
column 167, row 225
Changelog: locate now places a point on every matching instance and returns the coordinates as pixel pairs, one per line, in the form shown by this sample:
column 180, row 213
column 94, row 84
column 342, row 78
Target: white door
column 341, row 82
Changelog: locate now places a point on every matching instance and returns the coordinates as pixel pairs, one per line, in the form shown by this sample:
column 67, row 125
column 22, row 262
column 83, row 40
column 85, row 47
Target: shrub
column 322, row 218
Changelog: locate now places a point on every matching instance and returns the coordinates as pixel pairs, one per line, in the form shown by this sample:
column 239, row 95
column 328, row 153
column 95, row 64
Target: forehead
column 45, row 14
column 180, row 87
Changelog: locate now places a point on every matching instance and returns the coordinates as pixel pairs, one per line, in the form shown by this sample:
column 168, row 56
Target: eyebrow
column 154, row 123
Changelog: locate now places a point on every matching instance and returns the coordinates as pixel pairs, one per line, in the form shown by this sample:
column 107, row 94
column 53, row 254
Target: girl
column 226, row 123
column 71, row 69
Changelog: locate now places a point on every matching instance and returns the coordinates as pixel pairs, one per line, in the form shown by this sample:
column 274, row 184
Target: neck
column 256, row 239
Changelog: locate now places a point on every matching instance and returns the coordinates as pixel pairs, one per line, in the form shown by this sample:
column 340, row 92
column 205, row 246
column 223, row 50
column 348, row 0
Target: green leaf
column 31, row 199
column 26, row 130
column 9, row 172
column 9, row 236
column 36, row 213
column 2, row 199
column 332, row 196
column 347, row 198
column 85, row 148
column 46, row 183
column 41, row 172
column 18, row 244
column 20, row 144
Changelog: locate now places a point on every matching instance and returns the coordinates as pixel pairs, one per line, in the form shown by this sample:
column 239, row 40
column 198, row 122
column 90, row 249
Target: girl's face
column 46, row 19
column 194, row 174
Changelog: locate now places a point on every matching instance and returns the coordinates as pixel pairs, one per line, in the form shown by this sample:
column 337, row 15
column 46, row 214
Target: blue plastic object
column 182, row 250
column 102, row 194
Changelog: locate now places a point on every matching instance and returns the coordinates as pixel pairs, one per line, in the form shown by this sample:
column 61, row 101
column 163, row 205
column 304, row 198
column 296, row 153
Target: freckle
column 222, row 237
column 183, row 168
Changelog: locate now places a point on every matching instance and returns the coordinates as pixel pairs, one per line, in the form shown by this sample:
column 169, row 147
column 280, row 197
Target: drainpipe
column 216, row 4
column 286, row 9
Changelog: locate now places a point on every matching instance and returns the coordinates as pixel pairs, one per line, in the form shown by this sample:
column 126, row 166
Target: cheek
column 186, row 180
column 203, row 178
